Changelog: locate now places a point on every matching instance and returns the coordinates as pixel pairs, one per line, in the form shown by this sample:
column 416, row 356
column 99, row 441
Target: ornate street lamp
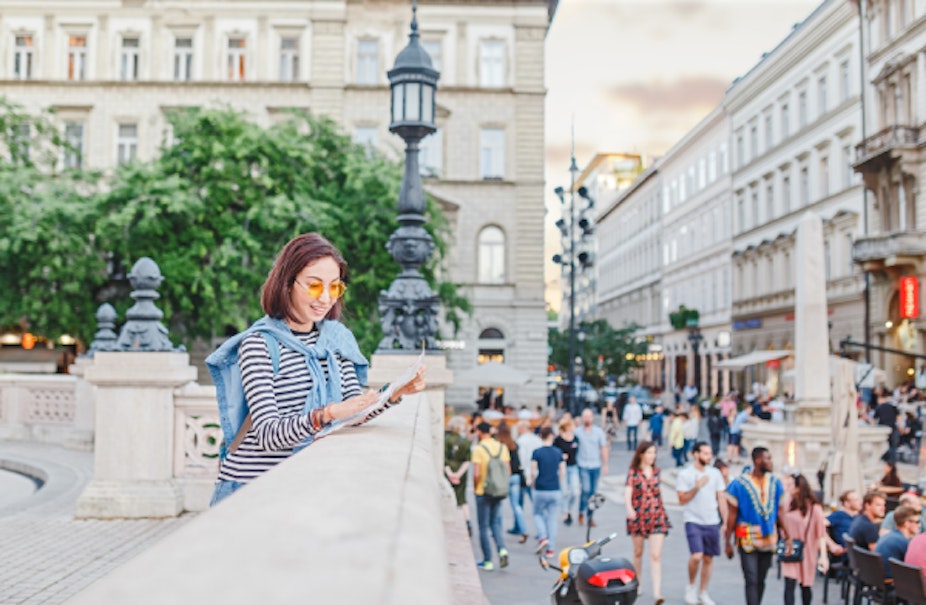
column 695, row 337
column 409, row 308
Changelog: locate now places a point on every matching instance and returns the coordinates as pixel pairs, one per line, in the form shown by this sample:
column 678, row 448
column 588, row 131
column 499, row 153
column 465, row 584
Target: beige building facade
column 111, row 71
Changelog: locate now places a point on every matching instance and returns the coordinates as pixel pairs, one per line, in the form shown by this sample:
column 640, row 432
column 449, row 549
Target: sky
column 636, row 75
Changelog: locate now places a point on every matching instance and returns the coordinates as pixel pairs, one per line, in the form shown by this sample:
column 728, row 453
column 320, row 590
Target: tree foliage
column 213, row 210
column 603, row 351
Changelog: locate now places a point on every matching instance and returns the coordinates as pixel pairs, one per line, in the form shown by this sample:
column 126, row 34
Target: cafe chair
column 874, row 586
column 909, row 585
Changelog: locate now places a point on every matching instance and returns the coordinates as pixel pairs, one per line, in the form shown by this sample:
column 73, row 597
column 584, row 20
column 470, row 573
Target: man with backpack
column 491, row 471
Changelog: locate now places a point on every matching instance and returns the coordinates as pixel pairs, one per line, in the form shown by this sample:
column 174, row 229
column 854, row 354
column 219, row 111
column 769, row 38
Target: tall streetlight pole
column 409, row 309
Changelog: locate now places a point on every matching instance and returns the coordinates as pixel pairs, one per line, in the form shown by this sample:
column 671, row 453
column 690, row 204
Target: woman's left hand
column 824, row 564
column 416, row 385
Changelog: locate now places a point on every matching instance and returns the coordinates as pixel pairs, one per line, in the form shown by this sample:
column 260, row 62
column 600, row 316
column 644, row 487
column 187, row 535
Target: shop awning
column 750, row 359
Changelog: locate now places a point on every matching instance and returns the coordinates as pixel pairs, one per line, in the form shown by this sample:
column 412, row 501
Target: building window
column 788, row 282
column 785, row 121
column 769, row 134
column 741, row 213
column 827, row 260
column 724, row 159
column 753, row 142
column 740, row 150
column 824, row 177
column 851, row 266
column 802, row 108
column 74, row 140
column 289, row 59
column 492, row 63
column 491, row 256
column 237, row 59
column 492, row 153
column 431, row 155
column 183, row 59
column 712, row 167
column 786, row 195
column 23, row 58
column 366, row 136
column 77, row 57
column 128, row 58
column 126, row 143
column 754, row 195
column 844, row 81
column 769, row 201
column 702, row 173
column 805, row 186
column 435, row 50
column 821, row 94
column 847, row 166
column 367, row 61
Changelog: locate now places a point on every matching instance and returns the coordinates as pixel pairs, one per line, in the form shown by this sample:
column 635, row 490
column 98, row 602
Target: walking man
column 549, row 470
column 756, row 510
column 633, row 416
column 701, row 489
column 592, row 459
column 488, row 509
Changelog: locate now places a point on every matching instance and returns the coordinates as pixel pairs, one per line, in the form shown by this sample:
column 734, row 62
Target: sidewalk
column 524, row 582
column 47, row 555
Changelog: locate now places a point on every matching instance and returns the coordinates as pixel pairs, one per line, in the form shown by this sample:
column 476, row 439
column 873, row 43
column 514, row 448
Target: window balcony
column 884, row 147
column 892, row 251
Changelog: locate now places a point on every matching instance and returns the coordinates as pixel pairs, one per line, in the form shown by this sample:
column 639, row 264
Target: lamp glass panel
column 397, row 102
column 427, row 104
column 413, row 101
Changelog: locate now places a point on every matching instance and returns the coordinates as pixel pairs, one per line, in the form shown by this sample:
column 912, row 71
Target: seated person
column 864, row 528
column 906, row 499
column 850, row 505
column 895, row 542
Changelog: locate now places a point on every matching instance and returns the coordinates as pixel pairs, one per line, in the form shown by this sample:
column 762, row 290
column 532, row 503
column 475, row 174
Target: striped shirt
column 275, row 404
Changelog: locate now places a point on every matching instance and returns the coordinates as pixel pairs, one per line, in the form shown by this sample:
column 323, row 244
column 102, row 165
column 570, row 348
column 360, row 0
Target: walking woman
column 646, row 515
column 567, row 442
column 804, row 521
column 515, row 481
column 315, row 374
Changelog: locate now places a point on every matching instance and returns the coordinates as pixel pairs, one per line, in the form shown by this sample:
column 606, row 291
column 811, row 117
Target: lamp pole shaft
column 573, row 404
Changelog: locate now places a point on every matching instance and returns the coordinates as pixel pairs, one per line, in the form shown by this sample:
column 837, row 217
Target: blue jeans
column 489, row 513
column 571, row 493
column 546, row 515
column 589, row 478
column 224, row 489
column 631, row 437
column 516, row 498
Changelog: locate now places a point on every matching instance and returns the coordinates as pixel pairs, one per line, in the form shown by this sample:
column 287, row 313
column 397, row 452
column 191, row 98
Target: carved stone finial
column 143, row 330
column 105, row 337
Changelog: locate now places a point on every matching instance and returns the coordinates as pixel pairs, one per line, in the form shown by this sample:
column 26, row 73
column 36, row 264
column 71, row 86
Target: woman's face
column 312, row 292
column 649, row 456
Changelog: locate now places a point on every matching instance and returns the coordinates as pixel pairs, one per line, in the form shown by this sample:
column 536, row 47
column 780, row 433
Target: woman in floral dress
column 646, row 515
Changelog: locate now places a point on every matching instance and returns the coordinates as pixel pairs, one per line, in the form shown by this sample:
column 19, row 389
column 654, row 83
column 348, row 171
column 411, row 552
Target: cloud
column 685, row 93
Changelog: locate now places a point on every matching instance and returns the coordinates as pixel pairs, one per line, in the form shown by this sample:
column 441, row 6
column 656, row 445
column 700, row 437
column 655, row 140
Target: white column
column 134, row 430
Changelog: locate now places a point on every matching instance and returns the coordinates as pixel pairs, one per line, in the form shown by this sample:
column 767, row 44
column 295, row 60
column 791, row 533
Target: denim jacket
column 333, row 338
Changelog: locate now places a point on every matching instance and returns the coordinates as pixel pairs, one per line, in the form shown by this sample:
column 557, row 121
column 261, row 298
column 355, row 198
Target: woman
column 569, row 444
column 691, row 428
column 890, row 483
column 313, row 381
column 515, row 481
column 804, row 521
column 677, row 437
column 646, row 515
column 456, row 467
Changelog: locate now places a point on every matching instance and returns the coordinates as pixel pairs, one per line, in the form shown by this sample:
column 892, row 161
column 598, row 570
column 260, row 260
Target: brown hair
column 638, row 454
column 890, row 478
column 870, row 497
column 503, row 434
column 804, row 499
column 299, row 252
column 844, row 496
column 904, row 513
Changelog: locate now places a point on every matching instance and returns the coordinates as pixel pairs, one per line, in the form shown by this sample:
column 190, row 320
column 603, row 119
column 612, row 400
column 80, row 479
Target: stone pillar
column 385, row 366
column 134, row 428
column 811, row 338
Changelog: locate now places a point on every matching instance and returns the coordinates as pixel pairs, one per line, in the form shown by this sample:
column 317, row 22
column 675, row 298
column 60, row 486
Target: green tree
column 220, row 201
column 50, row 269
column 603, row 350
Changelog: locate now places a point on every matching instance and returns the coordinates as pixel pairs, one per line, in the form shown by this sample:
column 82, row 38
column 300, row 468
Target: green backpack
column 497, row 475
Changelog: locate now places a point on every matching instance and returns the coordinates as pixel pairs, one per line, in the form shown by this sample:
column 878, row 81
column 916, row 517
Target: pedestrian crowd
column 556, row 465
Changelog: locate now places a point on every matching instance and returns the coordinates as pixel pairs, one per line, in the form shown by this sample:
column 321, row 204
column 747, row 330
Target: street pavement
column 46, row 555
column 524, row 582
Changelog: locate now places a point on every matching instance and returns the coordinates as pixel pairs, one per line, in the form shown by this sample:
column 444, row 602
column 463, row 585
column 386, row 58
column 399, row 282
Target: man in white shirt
column 700, row 489
column 690, row 393
column 633, row 416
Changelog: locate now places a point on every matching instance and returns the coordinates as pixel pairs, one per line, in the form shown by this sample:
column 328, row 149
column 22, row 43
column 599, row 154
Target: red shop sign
column 909, row 297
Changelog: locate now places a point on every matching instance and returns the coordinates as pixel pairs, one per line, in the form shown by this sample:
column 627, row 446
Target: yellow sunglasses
column 315, row 289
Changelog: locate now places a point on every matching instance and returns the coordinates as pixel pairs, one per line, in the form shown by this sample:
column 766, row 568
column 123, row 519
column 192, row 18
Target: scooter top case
column 607, row 581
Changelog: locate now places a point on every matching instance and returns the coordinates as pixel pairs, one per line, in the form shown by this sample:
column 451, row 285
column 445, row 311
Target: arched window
column 491, row 346
column 491, row 256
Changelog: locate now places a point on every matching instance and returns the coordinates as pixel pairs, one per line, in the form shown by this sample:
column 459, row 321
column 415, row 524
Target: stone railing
column 355, row 518
column 880, row 247
column 885, row 139
column 47, row 408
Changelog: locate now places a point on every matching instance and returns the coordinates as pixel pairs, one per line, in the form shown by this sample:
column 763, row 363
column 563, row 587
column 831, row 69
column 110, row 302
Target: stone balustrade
column 355, row 518
column 47, row 408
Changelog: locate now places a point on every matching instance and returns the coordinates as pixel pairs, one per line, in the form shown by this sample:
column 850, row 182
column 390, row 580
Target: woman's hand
column 416, row 385
column 631, row 515
column 354, row 405
column 823, row 564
